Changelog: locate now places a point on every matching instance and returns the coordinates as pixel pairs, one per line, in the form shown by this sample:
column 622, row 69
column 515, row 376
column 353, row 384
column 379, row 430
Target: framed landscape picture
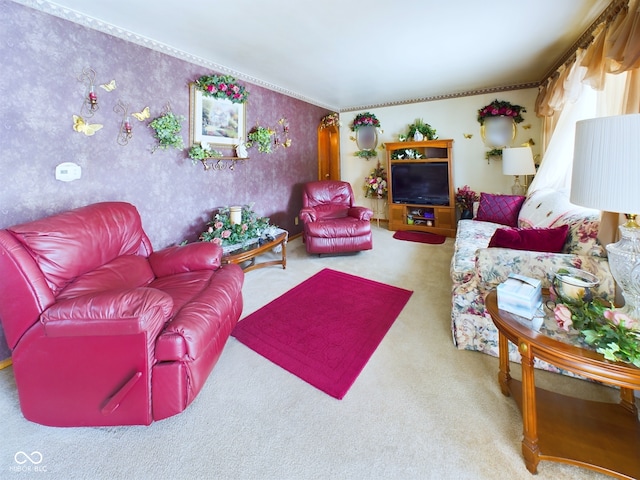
column 214, row 120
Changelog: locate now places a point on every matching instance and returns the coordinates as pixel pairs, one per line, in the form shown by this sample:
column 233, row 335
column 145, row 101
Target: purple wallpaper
column 43, row 55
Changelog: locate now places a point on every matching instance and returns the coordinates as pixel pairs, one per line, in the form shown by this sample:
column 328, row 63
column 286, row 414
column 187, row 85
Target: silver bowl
column 574, row 285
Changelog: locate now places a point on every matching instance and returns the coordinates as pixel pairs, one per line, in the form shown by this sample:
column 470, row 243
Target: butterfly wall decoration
column 81, row 126
column 109, row 87
column 143, row 115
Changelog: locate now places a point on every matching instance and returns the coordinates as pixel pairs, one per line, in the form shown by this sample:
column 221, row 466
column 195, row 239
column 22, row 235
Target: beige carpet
column 420, row 409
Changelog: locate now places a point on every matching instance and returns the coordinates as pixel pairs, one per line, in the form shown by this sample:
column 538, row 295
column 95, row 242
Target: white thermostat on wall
column 68, row 171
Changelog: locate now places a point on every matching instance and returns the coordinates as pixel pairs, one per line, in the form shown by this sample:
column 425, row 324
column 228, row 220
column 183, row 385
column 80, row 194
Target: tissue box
column 520, row 295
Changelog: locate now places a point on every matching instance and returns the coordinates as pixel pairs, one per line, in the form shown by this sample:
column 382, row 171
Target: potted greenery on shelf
column 167, row 128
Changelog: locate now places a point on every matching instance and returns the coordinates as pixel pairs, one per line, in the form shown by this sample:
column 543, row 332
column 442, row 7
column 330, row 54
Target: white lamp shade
column 606, row 164
column 518, row 161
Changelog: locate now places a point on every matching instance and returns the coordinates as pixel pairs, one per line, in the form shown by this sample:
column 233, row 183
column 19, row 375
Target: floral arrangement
column 331, row 120
column 499, row 108
column 167, row 130
column 610, row 331
column 375, row 185
column 222, row 86
column 365, row 120
column 222, row 232
column 465, row 197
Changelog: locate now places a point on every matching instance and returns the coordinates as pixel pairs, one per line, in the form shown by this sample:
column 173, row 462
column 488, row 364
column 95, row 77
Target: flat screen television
column 420, row 183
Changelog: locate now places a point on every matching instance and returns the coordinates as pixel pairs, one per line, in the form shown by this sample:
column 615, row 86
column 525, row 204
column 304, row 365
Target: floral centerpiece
column 365, row 119
column 465, row 198
column 499, row 108
column 610, row 331
column 223, row 232
column 222, row 86
column 375, row 185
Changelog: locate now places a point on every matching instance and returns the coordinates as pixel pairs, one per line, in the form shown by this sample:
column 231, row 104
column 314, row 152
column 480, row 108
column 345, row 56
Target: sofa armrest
column 361, row 213
column 493, row 266
column 186, row 258
column 113, row 312
column 308, row 215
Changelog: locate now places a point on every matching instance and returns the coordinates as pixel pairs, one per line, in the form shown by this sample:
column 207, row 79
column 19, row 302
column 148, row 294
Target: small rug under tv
column 421, row 237
column 325, row 329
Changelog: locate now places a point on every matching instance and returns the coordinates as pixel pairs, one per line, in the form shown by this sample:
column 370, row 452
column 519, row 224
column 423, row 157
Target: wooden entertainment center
column 425, row 200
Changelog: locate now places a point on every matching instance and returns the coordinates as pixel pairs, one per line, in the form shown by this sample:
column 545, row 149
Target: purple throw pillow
column 533, row 239
column 502, row 209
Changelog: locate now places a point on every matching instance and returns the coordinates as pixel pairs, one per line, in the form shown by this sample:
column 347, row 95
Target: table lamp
column 518, row 161
column 606, row 176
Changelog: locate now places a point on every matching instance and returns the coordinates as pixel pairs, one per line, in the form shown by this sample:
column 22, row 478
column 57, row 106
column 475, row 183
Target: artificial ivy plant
column 167, row 128
column 260, row 137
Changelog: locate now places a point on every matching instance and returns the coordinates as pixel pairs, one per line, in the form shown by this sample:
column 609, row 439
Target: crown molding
column 447, row 96
column 94, row 24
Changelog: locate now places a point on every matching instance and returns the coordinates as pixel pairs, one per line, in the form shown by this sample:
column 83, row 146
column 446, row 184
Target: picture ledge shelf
column 220, row 163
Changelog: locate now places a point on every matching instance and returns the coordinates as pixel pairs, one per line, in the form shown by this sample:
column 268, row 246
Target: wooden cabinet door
column 328, row 153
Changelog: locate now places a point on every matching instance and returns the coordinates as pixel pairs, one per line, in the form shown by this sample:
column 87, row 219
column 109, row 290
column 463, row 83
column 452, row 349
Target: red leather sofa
column 105, row 331
column 332, row 224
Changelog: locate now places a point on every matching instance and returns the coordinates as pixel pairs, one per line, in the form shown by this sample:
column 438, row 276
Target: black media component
column 420, row 183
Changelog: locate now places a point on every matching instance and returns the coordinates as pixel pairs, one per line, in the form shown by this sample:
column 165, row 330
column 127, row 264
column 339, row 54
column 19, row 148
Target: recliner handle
column 115, row 401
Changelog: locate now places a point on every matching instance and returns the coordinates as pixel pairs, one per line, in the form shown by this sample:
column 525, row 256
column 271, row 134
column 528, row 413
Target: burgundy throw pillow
column 502, row 209
column 533, row 239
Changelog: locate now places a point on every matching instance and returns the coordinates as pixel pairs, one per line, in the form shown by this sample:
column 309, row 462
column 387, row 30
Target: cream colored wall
column 452, row 118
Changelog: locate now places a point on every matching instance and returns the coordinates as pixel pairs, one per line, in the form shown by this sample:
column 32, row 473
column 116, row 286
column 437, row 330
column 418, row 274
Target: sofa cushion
column 552, row 208
column 470, row 236
column 78, row 241
column 502, row 209
column 127, row 271
column 533, row 239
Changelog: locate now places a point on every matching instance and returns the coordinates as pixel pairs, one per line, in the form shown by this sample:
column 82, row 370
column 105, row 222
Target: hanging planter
column 167, row 130
column 261, row 138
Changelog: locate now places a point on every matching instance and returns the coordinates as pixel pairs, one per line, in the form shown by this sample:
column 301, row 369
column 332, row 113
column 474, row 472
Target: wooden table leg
column 530, row 449
column 284, row 254
column 503, row 353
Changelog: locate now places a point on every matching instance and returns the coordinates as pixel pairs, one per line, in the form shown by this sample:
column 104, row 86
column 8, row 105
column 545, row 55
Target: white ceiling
column 349, row 54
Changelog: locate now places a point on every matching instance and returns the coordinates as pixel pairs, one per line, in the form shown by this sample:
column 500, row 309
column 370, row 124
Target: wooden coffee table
column 601, row 436
column 246, row 256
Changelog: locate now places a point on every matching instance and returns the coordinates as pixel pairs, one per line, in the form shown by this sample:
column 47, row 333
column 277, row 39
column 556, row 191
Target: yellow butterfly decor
column 109, row 87
column 79, row 125
column 143, row 115
column 467, row 135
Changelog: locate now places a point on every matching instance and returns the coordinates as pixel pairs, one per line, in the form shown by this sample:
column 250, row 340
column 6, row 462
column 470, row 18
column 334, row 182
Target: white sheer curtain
column 555, row 168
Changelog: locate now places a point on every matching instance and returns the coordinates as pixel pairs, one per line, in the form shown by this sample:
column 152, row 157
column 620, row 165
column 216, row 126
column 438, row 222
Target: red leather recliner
column 332, row 224
column 103, row 330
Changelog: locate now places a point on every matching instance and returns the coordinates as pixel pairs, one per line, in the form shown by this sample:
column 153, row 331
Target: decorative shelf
column 220, row 163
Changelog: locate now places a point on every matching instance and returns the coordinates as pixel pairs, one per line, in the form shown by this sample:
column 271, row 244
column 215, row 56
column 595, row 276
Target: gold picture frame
column 215, row 121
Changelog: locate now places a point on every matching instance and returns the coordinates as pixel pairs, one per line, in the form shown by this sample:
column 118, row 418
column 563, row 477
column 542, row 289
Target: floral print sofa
column 477, row 269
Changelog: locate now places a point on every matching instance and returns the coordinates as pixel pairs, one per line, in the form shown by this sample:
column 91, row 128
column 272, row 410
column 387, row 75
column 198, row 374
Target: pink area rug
column 421, row 237
column 325, row 329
